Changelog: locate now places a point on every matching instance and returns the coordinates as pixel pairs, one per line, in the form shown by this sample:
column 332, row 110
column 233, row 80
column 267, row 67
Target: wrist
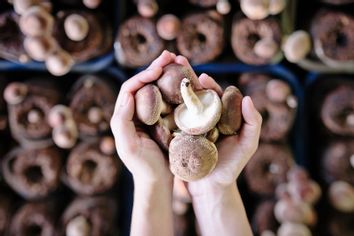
column 205, row 188
column 152, row 184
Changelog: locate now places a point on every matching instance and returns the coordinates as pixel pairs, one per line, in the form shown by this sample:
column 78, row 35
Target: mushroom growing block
column 200, row 111
column 192, row 157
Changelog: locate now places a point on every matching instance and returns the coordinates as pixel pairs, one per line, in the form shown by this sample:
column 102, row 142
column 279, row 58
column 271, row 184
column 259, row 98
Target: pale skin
column 216, row 200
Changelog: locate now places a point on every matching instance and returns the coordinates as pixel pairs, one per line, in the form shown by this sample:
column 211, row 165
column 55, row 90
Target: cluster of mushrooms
column 37, row 24
column 186, row 122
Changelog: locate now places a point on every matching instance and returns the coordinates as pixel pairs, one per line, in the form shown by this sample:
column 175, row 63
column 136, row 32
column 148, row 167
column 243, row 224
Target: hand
column 141, row 155
column 234, row 151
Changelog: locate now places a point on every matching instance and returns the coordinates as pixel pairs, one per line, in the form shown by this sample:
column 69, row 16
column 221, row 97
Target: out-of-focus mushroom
column 92, row 4
column 276, row 6
column 21, row 6
column 255, row 9
column 38, row 48
column 147, row 8
column 171, row 79
column 192, row 157
column 36, row 21
column 341, row 195
column 168, row 26
column 266, row 48
column 223, row 7
column 200, row 111
column 277, row 90
column 65, row 136
column 76, row 27
column 162, row 131
column 107, row 146
column 297, row 46
column 59, row 63
column 78, row 226
column 213, row 135
column 308, row 191
column 290, row 228
column 15, row 92
column 149, row 104
column 231, row 116
column 58, row 115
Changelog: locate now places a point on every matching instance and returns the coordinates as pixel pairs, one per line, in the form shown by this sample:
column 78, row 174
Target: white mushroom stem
column 350, row 119
column 190, row 98
column 34, row 116
column 78, row 226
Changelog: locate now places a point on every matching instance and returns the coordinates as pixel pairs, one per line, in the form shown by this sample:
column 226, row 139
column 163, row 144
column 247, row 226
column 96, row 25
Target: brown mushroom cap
column 200, row 111
column 213, row 135
column 168, row 26
column 36, row 21
column 76, row 27
column 38, row 48
column 15, row 92
column 192, row 157
column 59, row 63
column 231, row 116
column 171, row 79
column 147, row 8
column 161, row 132
column 149, row 104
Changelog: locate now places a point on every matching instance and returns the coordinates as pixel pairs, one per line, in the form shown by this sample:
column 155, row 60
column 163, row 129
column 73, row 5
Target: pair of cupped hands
column 149, row 164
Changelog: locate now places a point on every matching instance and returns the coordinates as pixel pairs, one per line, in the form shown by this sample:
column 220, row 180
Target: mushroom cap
column 161, row 132
column 36, row 21
column 277, row 90
column 107, row 146
column 290, row 228
column 147, row 8
column 255, row 9
column 148, row 104
column 65, row 136
column 200, row 122
column 58, row 115
column 168, row 26
column 223, row 7
column 231, row 116
column 192, row 157
column 76, row 27
column 92, row 4
column 213, row 135
column 341, row 195
column 291, row 210
column 266, row 48
column 59, row 63
column 78, row 226
column 15, row 92
column 20, row 6
column 38, row 48
column 276, row 6
column 297, row 46
column 171, row 79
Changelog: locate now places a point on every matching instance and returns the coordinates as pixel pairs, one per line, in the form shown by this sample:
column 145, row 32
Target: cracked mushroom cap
column 192, row 157
column 171, row 79
column 149, row 104
column 200, row 111
column 231, row 116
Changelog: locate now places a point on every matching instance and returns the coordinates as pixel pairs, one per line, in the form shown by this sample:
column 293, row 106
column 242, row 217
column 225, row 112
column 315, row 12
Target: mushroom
column 78, row 226
column 297, row 46
column 65, row 136
column 308, row 191
column 58, row 115
column 149, row 104
column 168, row 26
column 255, row 9
column 147, row 8
column 213, row 135
column 171, row 79
column 162, row 131
column 92, row 4
column 341, row 195
column 192, row 157
column 107, row 146
column 59, row 63
column 223, row 7
column 277, row 90
column 231, row 116
column 36, row 21
column 276, row 6
column 15, row 93
column 34, row 116
column 95, row 115
column 21, row 6
column 290, row 228
column 38, row 48
column 266, row 48
column 200, row 111
column 76, row 27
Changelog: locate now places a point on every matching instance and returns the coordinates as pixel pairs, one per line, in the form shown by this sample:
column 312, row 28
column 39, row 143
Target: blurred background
column 61, row 66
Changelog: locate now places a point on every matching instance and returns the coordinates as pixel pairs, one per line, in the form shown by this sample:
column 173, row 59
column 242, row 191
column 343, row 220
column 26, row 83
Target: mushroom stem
column 78, row 226
column 190, row 98
column 34, row 116
column 165, row 108
column 169, row 122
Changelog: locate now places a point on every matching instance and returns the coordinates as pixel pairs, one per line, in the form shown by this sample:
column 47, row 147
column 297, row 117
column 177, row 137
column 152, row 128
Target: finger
column 184, row 62
column 122, row 124
column 251, row 129
column 209, row 83
column 138, row 81
column 164, row 59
